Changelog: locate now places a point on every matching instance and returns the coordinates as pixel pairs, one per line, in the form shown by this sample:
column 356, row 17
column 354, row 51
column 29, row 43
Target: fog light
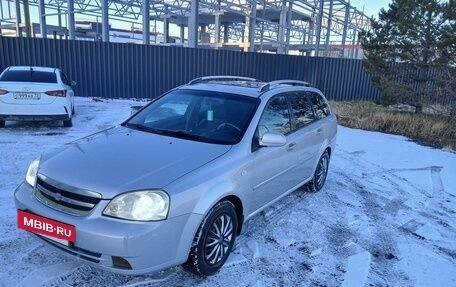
column 120, row 263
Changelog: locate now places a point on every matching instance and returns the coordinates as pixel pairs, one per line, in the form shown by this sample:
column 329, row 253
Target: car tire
column 68, row 123
column 319, row 177
column 2, row 124
column 214, row 240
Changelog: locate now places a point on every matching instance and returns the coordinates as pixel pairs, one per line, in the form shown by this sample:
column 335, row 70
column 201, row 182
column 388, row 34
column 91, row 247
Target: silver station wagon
column 175, row 182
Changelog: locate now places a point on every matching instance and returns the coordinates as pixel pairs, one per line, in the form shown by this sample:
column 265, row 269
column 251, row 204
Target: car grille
column 70, row 202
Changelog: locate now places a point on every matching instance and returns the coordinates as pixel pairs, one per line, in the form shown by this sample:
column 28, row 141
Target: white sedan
column 35, row 94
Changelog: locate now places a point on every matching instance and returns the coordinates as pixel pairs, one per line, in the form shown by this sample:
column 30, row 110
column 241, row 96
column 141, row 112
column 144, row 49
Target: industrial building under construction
column 301, row 27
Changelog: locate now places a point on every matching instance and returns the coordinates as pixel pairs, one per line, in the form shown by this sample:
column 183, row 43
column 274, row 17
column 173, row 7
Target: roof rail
column 269, row 85
column 211, row 78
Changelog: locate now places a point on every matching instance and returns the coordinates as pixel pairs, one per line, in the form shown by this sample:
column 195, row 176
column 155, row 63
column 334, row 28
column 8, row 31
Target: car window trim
column 325, row 101
column 290, row 109
column 255, row 147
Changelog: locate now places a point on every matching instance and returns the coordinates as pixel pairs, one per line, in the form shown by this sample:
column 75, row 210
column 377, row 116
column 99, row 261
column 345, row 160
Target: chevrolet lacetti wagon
column 175, row 182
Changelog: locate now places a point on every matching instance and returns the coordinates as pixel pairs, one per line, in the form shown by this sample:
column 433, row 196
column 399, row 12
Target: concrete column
column 28, row 25
column 42, row 10
column 166, row 29
column 252, row 26
column 17, row 6
column 71, row 22
column 182, row 34
column 155, row 30
column 193, row 24
column 310, row 35
column 288, row 30
column 146, row 22
column 105, row 20
column 246, row 35
column 202, row 34
column 344, row 33
column 328, row 29
column 319, row 23
column 282, row 24
column 263, row 16
column 357, row 46
column 352, row 52
column 217, row 27
column 226, row 32
column 1, row 14
column 59, row 19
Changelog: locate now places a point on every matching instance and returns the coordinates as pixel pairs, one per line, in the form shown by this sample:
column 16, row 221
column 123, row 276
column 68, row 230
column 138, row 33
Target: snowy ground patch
column 386, row 217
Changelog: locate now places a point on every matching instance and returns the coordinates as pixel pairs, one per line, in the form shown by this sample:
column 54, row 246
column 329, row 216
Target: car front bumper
column 101, row 241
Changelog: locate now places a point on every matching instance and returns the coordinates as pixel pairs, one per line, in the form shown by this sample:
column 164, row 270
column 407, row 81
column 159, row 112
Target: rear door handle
column 291, row 146
column 319, row 131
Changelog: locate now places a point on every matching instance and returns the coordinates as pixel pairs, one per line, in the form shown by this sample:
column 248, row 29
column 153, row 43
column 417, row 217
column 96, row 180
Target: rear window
column 29, row 76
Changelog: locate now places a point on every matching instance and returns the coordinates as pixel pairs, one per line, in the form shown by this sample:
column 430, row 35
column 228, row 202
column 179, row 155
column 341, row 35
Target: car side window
column 64, row 79
column 276, row 117
column 320, row 106
column 302, row 110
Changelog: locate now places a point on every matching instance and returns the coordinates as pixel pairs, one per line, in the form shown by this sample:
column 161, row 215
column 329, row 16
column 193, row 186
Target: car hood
column 121, row 159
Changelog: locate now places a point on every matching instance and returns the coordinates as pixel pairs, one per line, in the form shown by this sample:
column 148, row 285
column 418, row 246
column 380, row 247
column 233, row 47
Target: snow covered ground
column 386, row 217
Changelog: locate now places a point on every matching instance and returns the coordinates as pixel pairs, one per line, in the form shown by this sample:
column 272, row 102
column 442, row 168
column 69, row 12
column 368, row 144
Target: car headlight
column 32, row 171
column 147, row 205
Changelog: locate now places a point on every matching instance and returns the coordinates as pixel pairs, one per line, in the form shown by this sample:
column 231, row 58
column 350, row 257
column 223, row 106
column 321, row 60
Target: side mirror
column 73, row 83
column 273, row 139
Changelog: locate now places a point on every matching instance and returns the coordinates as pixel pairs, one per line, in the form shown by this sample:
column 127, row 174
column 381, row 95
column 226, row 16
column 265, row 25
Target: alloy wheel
column 218, row 239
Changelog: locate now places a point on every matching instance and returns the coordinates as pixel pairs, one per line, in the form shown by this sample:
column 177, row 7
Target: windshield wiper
column 143, row 128
column 183, row 134
column 174, row 133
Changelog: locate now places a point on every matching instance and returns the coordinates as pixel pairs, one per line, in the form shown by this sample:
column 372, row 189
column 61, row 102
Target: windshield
column 205, row 116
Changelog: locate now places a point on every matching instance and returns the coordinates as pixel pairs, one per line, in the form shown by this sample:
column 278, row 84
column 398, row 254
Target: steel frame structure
column 316, row 27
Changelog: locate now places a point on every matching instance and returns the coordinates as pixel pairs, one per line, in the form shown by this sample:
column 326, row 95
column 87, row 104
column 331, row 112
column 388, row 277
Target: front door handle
column 319, row 131
column 291, row 146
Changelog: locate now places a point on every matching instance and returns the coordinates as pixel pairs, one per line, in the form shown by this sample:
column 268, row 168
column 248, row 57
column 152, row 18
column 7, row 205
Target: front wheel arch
column 236, row 201
column 214, row 240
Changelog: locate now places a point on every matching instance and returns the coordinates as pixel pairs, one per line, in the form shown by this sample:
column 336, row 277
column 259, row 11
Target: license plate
column 54, row 230
column 55, row 239
column 27, row 96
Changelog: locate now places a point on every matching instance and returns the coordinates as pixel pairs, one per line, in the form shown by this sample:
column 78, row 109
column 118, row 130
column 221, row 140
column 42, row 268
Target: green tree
column 410, row 51
column 449, row 42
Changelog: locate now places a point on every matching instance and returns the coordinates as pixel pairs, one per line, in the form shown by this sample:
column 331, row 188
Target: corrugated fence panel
column 117, row 70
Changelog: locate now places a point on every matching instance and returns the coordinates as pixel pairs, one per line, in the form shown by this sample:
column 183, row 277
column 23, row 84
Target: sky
column 371, row 7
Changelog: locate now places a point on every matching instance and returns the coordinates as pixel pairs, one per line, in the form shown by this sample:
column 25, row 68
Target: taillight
column 2, row 92
column 57, row 93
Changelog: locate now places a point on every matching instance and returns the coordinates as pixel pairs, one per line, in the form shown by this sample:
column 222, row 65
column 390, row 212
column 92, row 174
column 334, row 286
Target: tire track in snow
column 430, row 218
column 379, row 243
